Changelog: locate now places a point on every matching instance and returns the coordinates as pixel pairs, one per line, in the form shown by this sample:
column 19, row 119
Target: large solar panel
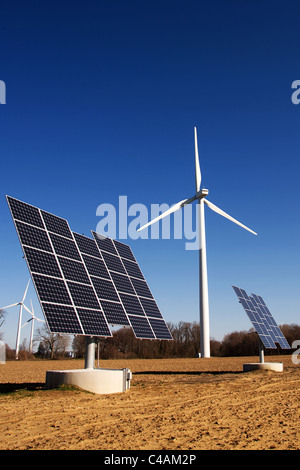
column 262, row 319
column 84, row 284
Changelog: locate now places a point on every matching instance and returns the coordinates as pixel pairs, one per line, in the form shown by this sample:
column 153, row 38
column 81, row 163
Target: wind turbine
column 32, row 326
column 20, row 317
column 200, row 196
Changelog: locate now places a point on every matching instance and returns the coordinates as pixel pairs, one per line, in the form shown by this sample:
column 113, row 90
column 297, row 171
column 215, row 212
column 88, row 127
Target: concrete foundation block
column 275, row 366
column 102, row 381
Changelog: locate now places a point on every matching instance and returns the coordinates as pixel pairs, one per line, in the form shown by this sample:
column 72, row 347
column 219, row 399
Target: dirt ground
column 182, row 404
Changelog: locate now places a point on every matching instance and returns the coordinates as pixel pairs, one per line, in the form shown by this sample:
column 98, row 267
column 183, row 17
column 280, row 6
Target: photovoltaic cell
column 86, row 245
column 124, row 250
column 65, row 247
column 160, row 329
column 42, row 262
column 150, row 308
column 122, row 283
column 141, row 288
column 132, row 269
column 51, row 289
column 113, row 263
column 73, row 270
column 262, row 319
column 105, row 289
column 83, row 283
column 115, row 313
column 93, row 322
column 105, row 244
column 56, row 224
column 25, row 212
column 132, row 305
column 141, row 327
column 62, row 319
column 82, row 295
column 34, row 237
column 95, row 266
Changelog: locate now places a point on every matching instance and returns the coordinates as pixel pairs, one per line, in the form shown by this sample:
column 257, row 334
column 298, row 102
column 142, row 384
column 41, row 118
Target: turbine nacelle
column 202, row 193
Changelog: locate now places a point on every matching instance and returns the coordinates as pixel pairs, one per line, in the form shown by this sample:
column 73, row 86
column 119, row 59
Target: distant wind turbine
column 32, row 326
column 201, row 197
column 20, row 317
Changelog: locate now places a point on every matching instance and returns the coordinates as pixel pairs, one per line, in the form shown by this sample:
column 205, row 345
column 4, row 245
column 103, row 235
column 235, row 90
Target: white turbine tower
column 20, row 317
column 200, row 196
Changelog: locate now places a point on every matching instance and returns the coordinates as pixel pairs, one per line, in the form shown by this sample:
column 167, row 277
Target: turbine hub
column 201, row 194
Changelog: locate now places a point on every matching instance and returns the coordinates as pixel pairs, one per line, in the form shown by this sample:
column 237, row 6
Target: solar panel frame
column 262, row 319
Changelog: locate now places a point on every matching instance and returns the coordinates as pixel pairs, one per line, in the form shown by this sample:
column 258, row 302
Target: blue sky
column 101, row 101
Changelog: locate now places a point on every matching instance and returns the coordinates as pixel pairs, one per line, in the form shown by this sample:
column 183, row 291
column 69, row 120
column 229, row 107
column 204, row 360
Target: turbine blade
column 28, row 321
column 29, row 311
column 197, row 164
column 12, row 305
column 39, row 319
column 25, row 291
column 172, row 209
column 219, row 211
column 32, row 314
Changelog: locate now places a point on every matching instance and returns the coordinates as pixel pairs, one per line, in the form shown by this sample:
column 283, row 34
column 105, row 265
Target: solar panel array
column 84, row 284
column 262, row 319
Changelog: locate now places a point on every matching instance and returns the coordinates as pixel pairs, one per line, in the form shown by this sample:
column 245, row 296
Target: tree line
column 186, row 343
column 124, row 345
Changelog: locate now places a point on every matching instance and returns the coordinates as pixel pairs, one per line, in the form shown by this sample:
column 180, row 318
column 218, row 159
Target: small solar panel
column 262, row 319
column 84, row 284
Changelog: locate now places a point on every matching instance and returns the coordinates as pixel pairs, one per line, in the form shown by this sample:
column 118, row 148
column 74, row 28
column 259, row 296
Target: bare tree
column 51, row 344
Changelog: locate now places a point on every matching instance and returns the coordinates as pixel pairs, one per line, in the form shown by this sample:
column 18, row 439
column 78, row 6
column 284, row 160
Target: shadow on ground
column 192, row 372
column 30, row 387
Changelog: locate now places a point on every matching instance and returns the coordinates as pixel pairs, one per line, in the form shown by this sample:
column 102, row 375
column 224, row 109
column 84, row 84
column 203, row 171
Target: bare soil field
column 173, row 404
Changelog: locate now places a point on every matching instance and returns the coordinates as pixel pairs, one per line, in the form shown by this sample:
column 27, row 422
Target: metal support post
column 261, row 352
column 90, row 349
